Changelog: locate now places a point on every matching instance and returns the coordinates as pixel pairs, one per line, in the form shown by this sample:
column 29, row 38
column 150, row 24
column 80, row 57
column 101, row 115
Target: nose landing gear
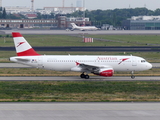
column 132, row 75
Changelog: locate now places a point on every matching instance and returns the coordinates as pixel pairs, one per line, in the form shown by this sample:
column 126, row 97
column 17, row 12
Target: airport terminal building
column 142, row 23
column 26, row 23
column 61, row 22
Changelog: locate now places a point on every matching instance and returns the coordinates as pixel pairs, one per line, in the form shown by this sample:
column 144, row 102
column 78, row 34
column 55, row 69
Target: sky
column 89, row 4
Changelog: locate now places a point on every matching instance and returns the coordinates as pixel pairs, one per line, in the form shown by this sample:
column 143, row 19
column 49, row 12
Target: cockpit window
column 143, row 61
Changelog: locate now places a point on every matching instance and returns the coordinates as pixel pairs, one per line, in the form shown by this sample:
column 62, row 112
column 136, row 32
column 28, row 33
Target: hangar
column 142, row 23
column 26, row 23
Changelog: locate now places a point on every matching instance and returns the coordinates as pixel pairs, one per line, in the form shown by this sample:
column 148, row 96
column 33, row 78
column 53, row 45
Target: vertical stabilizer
column 74, row 25
column 23, row 48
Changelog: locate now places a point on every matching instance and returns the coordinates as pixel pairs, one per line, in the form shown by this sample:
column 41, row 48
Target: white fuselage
column 74, row 26
column 86, row 28
column 67, row 62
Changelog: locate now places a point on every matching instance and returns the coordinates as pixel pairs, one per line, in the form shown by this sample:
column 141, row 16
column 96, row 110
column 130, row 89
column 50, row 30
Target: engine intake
column 107, row 72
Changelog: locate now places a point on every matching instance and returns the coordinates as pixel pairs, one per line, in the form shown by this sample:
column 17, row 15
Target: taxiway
column 79, row 111
column 77, row 78
column 64, row 32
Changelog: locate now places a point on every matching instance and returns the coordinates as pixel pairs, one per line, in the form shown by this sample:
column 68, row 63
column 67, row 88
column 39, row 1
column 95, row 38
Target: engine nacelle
column 107, row 72
column 76, row 69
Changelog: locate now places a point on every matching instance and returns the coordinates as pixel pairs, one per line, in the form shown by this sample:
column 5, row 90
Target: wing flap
column 92, row 67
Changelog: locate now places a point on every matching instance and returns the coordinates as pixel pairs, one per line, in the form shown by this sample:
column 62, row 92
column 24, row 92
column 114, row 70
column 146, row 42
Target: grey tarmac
column 64, row 32
column 77, row 78
column 80, row 111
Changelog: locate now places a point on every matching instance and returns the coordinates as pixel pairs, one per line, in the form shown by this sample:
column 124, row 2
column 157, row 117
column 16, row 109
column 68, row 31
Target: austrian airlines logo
column 77, row 63
column 20, row 43
column 122, row 60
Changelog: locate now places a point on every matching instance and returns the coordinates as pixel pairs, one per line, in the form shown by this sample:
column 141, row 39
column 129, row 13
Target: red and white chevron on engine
column 107, row 72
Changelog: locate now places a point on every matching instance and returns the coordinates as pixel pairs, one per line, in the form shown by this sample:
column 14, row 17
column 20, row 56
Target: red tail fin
column 23, row 48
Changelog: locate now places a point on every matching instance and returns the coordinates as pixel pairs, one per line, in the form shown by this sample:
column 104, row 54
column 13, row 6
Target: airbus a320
column 102, row 65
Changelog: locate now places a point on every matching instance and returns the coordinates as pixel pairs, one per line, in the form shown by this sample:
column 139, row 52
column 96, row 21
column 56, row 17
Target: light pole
column 84, row 12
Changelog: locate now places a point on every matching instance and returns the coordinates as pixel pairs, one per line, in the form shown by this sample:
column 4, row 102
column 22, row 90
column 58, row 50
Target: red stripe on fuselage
column 16, row 34
column 29, row 52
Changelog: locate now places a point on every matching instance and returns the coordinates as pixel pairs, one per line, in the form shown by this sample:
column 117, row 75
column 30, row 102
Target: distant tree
column 0, row 8
column 52, row 15
column 114, row 17
column 4, row 14
column 157, row 12
column 0, row 15
column 114, row 21
column 97, row 17
column 39, row 16
column 15, row 16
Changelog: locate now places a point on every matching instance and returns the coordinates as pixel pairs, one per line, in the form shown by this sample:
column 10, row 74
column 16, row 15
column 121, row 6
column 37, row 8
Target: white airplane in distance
column 83, row 28
column 97, row 64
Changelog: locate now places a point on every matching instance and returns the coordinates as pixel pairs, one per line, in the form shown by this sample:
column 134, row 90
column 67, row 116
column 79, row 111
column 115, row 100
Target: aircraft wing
column 102, row 70
column 82, row 29
column 92, row 67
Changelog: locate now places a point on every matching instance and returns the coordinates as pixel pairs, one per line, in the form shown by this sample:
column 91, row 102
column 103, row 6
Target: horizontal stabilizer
column 22, row 59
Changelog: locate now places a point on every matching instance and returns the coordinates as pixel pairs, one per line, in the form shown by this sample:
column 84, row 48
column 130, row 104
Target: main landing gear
column 132, row 75
column 84, row 76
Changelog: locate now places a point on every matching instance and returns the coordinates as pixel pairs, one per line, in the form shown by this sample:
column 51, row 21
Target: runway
column 64, row 32
column 77, row 78
column 79, row 111
column 74, row 78
column 93, row 48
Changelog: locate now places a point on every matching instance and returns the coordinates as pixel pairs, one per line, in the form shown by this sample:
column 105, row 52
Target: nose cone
column 149, row 65
column 146, row 66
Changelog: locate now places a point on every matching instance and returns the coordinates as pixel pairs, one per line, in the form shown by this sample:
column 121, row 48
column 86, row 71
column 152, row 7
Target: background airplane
column 98, row 65
column 83, row 28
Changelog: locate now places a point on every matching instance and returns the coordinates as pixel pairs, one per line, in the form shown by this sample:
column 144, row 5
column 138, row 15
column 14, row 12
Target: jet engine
column 106, row 72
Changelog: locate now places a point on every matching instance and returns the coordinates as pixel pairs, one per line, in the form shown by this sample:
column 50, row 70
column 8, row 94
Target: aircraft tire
column 82, row 75
column 132, row 76
column 86, row 76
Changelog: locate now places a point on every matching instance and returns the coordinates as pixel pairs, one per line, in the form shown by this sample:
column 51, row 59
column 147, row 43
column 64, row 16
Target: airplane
column 83, row 28
column 102, row 65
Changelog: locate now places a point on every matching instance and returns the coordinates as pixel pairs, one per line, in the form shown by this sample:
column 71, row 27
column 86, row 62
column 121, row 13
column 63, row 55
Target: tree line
column 114, row 17
column 97, row 17
column 4, row 15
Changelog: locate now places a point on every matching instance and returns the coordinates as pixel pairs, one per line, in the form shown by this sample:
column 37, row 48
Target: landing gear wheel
column 82, row 75
column 86, row 76
column 132, row 76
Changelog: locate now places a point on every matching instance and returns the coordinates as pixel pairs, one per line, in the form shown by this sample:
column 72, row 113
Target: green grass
column 131, row 40
column 86, row 91
column 149, row 56
column 42, row 72
column 66, row 40
column 51, row 40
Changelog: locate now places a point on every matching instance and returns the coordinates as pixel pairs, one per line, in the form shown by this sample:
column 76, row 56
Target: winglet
column 23, row 48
